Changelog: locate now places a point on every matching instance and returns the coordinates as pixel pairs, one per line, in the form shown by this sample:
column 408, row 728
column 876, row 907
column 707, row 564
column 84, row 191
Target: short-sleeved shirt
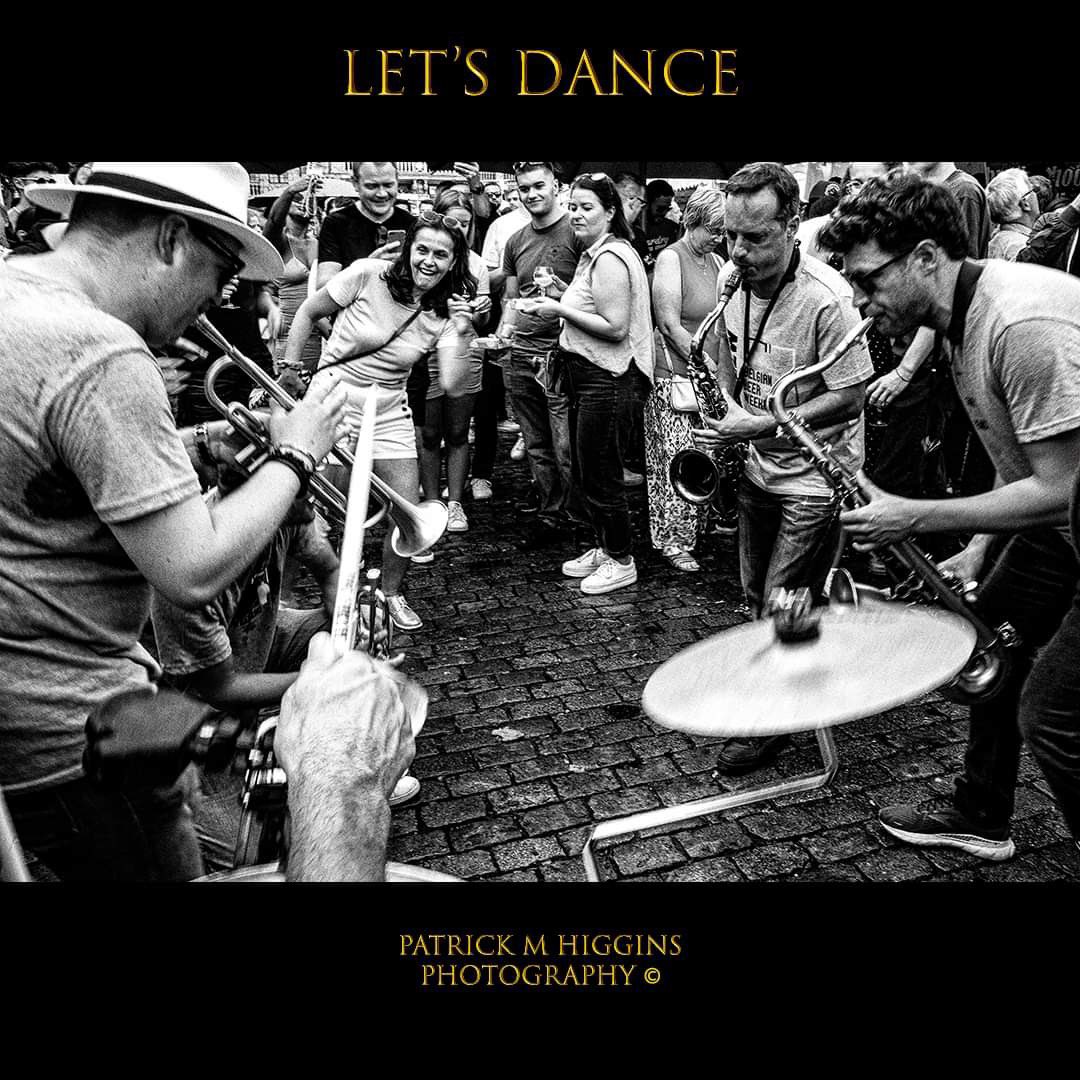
column 500, row 230
column 86, row 440
column 369, row 317
column 659, row 235
column 555, row 246
column 349, row 234
column 969, row 193
column 812, row 314
column 1008, row 242
column 1017, row 370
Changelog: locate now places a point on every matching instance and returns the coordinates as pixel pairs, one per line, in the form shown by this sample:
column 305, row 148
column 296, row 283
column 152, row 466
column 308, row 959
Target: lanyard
column 748, row 353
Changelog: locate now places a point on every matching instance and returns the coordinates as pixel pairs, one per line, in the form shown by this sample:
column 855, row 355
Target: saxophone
column 695, row 475
column 985, row 671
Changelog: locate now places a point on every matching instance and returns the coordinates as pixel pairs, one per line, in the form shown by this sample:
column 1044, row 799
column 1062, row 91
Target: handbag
column 683, row 397
column 551, row 372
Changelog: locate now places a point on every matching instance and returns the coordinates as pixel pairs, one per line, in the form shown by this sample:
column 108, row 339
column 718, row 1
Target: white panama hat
column 212, row 192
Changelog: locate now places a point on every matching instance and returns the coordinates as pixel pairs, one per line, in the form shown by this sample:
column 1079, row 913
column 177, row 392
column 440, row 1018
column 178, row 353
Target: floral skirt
column 673, row 522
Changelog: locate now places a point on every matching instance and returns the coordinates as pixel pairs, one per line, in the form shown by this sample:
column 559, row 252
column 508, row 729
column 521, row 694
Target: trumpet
column 416, row 528
column 983, row 675
column 695, row 475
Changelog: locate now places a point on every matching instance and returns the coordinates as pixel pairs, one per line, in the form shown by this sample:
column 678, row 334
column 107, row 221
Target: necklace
column 695, row 255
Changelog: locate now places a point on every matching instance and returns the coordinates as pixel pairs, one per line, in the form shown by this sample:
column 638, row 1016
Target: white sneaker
column 610, row 576
column 458, row 521
column 424, row 558
column 586, row 564
column 408, row 787
column 518, row 452
column 403, row 616
column 511, row 427
column 481, row 489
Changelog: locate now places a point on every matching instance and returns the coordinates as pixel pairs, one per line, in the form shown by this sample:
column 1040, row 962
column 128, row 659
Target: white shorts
column 395, row 437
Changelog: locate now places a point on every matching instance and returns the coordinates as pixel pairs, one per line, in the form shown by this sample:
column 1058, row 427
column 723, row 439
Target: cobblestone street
column 536, row 733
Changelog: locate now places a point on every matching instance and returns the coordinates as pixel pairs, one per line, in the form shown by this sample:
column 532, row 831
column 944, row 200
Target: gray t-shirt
column 86, row 440
column 555, row 246
column 812, row 315
column 1018, row 369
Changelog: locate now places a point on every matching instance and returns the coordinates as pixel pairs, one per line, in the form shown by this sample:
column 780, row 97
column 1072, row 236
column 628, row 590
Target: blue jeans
column 785, row 541
column 545, row 424
column 599, row 404
column 1034, row 586
column 81, row 832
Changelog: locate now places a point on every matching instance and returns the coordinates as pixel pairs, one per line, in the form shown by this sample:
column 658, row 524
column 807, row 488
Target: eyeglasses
column 440, row 221
column 23, row 181
column 234, row 265
column 866, row 280
column 527, row 166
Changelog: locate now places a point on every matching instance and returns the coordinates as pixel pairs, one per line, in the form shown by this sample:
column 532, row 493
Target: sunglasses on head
column 440, row 221
column 596, row 177
column 526, row 166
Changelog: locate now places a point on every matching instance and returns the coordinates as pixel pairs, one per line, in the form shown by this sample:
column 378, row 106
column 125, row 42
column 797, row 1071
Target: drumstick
column 347, row 606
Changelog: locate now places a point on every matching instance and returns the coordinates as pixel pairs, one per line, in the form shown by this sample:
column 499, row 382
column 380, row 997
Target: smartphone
column 381, row 236
column 396, row 236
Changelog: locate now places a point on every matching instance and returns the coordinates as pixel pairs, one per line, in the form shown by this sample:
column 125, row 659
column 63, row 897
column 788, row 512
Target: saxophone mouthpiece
column 733, row 282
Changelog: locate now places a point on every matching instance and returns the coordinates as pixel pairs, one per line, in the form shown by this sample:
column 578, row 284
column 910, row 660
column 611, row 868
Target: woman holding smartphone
column 389, row 317
column 607, row 330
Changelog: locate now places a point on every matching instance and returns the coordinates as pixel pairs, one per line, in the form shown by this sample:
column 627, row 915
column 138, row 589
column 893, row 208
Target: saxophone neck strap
column 750, row 348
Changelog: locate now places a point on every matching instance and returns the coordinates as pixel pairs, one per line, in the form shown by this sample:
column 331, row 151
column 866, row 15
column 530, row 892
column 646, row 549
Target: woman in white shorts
column 387, row 318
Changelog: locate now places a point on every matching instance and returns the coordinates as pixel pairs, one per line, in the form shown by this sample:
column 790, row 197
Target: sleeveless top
column 698, row 299
column 637, row 347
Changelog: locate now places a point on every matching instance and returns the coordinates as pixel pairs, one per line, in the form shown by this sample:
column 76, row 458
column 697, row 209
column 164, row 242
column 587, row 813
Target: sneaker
column 632, row 479
column 946, row 827
column 682, row 560
column 424, row 558
column 481, row 489
column 403, row 616
column 518, row 452
column 610, row 576
column 458, row 521
column 408, row 787
column 745, row 755
column 586, row 564
column 530, row 505
column 510, row 427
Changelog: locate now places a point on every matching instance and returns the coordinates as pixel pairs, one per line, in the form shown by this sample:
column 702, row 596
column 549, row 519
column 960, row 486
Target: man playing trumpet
column 100, row 500
column 1014, row 333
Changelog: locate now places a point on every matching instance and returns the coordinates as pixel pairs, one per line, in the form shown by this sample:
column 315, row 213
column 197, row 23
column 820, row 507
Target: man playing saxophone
column 792, row 311
column 1014, row 332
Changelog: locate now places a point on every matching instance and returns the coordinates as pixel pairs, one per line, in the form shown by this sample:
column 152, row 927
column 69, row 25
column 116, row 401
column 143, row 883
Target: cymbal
column 745, row 682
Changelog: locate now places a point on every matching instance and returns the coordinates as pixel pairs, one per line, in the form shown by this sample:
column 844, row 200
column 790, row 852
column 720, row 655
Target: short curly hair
column 897, row 210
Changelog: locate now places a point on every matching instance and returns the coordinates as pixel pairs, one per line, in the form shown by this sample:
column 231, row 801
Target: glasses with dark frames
column 866, row 280
column 234, row 264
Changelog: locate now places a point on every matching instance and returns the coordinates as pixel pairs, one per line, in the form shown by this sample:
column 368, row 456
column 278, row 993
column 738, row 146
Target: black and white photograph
column 634, row 547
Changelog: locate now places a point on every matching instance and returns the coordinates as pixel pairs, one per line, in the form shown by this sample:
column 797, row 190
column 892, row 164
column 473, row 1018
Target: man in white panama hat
column 100, row 500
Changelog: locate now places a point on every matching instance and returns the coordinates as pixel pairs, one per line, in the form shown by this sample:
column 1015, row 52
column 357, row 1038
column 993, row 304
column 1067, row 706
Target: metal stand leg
column 668, row 815
column 12, row 863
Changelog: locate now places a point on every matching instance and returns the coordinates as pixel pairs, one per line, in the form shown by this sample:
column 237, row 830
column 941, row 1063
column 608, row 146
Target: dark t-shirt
column 349, row 235
column 972, row 199
column 659, row 235
column 530, row 247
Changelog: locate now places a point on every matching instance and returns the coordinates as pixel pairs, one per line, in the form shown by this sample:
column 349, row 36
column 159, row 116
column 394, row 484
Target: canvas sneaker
column 518, row 451
column 610, row 575
column 424, row 558
column 511, row 427
column 403, row 616
column 584, row 565
column 481, row 489
column 946, row 827
column 458, row 522
column 408, row 787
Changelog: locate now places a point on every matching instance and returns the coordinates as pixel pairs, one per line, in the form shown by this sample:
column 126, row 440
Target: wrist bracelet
column 288, row 457
column 309, row 461
column 902, row 378
column 202, row 446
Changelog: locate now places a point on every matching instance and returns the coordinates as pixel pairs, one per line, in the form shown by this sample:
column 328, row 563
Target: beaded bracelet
column 307, row 458
column 287, row 456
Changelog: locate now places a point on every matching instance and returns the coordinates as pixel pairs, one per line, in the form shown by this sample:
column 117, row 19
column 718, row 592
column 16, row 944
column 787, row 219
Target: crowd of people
column 562, row 309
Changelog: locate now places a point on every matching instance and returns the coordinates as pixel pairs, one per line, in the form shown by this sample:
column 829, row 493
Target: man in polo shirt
column 1015, row 337
column 361, row 231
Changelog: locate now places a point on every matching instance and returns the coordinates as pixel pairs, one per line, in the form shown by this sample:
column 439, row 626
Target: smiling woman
column 387, row 319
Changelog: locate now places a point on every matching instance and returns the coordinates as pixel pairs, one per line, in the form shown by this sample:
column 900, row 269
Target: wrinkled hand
column 886, row 389
column 343, row 722
column 230, row 291
column 468, row 169
column 481, row 307
column 737, row 426
column 461, row 312
column 886, row 519
column 317, row 423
